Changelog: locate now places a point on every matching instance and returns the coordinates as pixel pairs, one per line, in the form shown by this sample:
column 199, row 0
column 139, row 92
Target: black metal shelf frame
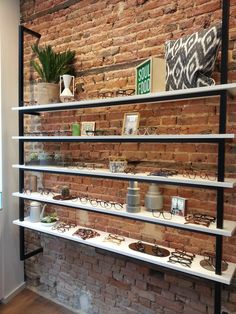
column 106, row 139
column 220, row 142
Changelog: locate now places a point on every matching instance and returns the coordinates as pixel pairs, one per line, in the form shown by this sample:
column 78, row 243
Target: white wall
column 13, row 276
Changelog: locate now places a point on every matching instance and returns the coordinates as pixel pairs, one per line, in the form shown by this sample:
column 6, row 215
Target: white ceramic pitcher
column 36, row 211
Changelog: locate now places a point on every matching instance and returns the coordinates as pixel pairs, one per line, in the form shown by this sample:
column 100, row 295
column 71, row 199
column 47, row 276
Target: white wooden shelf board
column 105, row 173
column 106, row 101
column 124, row 249
column 176, row 221
column 135, row 137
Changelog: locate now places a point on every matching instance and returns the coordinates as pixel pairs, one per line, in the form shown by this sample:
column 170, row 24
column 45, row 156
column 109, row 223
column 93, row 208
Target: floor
column 28, row 302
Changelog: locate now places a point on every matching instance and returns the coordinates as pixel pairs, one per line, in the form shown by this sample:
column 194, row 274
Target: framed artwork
column 86, row 127
column 178, row 205
column 130, row 123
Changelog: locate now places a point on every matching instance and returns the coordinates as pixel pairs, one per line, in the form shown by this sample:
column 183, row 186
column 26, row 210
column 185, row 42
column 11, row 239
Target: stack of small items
column 86, row 233
column 182, row 257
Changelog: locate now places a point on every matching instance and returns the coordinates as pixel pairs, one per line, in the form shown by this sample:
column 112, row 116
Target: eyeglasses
column 97, row 202
column 100, row 132
column 63, row 227
column 176, row 130
column 147, row 131
column 27, row 191
column 139, row 246
column 114, row 238
column 209, row 262
column 200, row 219
column 43, row 191
column 164, row 173
column 119, row 92
column 130, row 170
column 164, row 214
column 192, row 174
column 86, row 233
column 83, row 165
column 207, row 131
column 182, row 257
column 48, row 133
column 160, row 252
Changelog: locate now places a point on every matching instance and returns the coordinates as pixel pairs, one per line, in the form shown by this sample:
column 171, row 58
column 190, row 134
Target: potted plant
column 33, row 159
column 50, row 66
column 45, row 159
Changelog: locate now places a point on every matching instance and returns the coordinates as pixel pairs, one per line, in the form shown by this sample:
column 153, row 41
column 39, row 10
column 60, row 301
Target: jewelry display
column 199, row 219
column 63, row 227
column 182, row 257
column 86, row 233
column 154, row 250
column 209, row 262
column 164, row 214
column 114, row 238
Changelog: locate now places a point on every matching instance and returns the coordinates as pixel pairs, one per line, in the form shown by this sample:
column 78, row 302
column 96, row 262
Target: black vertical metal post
column 221, row 148
column 22, row 29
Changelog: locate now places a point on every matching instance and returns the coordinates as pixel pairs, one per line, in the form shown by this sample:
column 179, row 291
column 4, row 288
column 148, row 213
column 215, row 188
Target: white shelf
column 124, row 249
column 176, row 221
column 154, row 97
column 129, row 137
column 105, row 173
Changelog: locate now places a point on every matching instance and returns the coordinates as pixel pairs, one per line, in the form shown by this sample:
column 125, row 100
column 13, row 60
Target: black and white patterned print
column 190, row 60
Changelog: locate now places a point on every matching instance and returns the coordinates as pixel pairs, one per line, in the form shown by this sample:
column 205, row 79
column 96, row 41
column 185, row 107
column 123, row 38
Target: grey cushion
column 190, row 60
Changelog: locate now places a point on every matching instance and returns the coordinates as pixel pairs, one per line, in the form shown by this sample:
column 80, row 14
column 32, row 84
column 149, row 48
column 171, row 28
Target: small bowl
column 48, row 224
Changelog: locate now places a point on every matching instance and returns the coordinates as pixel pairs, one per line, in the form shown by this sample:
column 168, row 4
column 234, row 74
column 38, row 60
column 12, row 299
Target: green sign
column 143, row 78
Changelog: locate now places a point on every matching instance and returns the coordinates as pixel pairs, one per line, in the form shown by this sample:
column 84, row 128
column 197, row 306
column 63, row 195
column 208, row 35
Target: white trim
column 13, row 293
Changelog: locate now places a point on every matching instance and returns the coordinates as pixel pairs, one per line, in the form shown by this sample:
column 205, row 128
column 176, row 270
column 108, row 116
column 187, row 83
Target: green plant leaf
column 52, row 64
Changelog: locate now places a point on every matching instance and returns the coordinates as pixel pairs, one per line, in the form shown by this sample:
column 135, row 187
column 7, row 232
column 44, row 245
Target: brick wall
column 110, row 38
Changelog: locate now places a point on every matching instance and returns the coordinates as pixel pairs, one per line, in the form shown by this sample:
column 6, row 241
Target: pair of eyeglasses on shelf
column 130, row 170
column 41, row 191
column 101, row 132
column 114, row 238
column 209, row 262
column 48, row 133
column 116, row 93
column 27, row 191
column 182, row 257
column 177, row 130
column 164, row 173
column 202, row 174
column 86, row 233
column 200, row 219
column 63, row 227
column 147, row 131
column 98, row 202
column 164, row 214
column 160, row 252
column 84, row 165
